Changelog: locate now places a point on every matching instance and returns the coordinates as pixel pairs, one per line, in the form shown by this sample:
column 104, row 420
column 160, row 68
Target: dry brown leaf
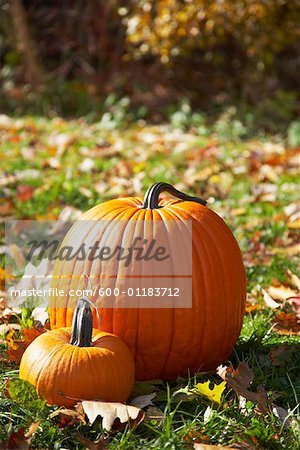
column 16, row 441
column 286, row 324
column 278, row 354
column 240, row 380
column 69, row 416
column 110, row 412
column 7, row 207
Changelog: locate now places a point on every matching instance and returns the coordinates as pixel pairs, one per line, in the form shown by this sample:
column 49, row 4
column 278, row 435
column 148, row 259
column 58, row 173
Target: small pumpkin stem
column 82, row 325
column 152, row 195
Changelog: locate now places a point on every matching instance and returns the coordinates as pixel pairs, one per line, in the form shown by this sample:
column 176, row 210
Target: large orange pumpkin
column 167, row 342
column 69, row 364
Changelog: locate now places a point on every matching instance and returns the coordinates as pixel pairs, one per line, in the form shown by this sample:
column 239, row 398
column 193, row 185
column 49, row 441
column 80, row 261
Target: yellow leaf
column 213, row 394
column 294, row 225
column 10, row 342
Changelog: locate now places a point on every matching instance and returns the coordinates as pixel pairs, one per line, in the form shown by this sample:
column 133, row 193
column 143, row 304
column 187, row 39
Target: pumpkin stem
column 152, row 195
column 82, row 325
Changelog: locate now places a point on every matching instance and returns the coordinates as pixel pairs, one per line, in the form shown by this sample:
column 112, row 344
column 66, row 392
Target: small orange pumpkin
column 66, row 364
column 166, row 342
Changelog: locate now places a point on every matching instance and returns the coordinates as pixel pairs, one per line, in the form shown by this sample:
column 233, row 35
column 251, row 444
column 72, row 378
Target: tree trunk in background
column 25, row 44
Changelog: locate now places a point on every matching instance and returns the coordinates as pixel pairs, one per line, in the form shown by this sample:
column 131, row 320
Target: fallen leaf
column 7, row 207
column 240, row 380
column 16, row 348
column 269, row 301
column 110, row 412
column 251, row 307
column 69, row 416
column 283, row 415
column 295, row 225
column 143, row 400
column 24, row 192
column 280, row 354
column 11, row 344
column 30, row 334
column 146, row 387
column 16, row 441
column 290, row 250
column 286, row 324
column 100, row 444
column 213, row 394
column 7, row 327
column 281, row 292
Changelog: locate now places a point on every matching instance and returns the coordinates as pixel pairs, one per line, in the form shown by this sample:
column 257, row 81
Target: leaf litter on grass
column 53, row 168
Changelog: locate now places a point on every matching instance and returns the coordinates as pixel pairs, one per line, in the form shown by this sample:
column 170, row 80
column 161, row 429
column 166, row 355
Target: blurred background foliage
column 155, row 59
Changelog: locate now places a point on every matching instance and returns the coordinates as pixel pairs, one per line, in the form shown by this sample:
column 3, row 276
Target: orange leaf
column 24, row 192
column 287, row 324
column 30, row 334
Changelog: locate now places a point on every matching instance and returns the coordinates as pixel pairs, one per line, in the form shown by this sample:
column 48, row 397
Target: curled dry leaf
column 240, row 380
column 269, row 301
column 281, row 292
column 69, row 416
column 110, row 412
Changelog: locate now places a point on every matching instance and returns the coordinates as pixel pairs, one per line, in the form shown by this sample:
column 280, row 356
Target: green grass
column 216, row 166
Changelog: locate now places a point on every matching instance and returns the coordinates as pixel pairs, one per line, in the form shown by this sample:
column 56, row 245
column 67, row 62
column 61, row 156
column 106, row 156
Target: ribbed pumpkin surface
column 62, row 373
column 166, row 343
